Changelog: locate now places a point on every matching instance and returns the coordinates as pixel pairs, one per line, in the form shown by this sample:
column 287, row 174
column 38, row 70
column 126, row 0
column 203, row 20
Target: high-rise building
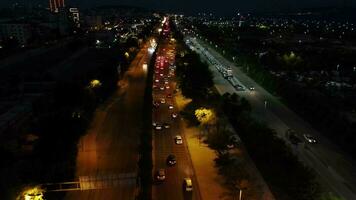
column 55, row 5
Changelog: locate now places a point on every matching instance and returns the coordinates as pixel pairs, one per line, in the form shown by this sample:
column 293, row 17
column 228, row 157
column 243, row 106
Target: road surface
column 335, row 169
column 110, row 148
column 172, row 187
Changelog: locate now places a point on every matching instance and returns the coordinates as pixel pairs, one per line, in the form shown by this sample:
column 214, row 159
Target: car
column 163, row 101
column 170, row 106
column 154, row 124
column 309, row 138
column 230, row 145
column 158, row 127
column 174, row 115
column 251, row 88
column 161, row 74
column 155, row 104
column 157, row 80
column 161, row 175
column 171, row 160
column 188, row 185
column 166, row 125
column 178, row 139
column 169, row 96
column 239, row 87
column 167, row 87
column 161, row 88
column 166, row 82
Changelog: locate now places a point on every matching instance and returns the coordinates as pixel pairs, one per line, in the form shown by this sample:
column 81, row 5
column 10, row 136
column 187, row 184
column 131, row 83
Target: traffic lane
column 175, row 174
column 296, row 123
column 182, row 170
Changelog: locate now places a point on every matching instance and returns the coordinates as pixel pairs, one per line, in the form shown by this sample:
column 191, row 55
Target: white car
column 170, row 107
column 158, row 127
column 188, row 185
column 174, row 115
column 178, row 139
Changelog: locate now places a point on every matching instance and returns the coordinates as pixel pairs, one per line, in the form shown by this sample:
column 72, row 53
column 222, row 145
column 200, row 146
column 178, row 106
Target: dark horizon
column 226, row 7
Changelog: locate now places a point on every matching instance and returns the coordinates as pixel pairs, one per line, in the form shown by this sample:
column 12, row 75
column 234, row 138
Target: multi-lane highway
column 335, row 169
column 108, row 153
column 164, row 86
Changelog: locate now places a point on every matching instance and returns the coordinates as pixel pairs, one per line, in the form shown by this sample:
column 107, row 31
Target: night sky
column 216, row 6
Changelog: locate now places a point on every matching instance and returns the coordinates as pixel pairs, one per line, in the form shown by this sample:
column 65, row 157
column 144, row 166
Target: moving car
column 178, row 139
column 310, row 139
column 174, row 115
column 161, row 175
column 171, row 160
column 170, row 107
column 166, row 125
column 158, row 127
column 188, row 185
column 163, row 101
column 155, row 104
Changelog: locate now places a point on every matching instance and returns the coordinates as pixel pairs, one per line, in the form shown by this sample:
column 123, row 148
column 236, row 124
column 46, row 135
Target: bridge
column 100, row 181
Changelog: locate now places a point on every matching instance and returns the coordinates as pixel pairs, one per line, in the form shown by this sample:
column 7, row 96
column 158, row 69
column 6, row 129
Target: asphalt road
column 172, row 187
column 110, row 148
column 335, row 169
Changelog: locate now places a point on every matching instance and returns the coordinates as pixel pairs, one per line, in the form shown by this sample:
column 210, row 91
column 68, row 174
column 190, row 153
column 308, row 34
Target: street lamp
column 35, row 193
column 94, row 83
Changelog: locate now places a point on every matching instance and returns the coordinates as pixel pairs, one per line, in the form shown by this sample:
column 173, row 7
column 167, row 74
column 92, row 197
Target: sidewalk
column 211, row 184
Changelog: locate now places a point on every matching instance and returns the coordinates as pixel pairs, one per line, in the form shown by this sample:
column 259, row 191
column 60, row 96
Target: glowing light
column 144, row 67
column 94, row 83
column 205, row 116
column 127, row 55
column 35, row 193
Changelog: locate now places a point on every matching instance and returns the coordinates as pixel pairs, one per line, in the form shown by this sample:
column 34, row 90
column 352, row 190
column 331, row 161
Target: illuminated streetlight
column 35, row 193
column 205, row 116
column 94, row 83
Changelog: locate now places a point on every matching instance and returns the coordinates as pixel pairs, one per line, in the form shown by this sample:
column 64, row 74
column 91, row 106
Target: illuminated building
column 55, row 5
